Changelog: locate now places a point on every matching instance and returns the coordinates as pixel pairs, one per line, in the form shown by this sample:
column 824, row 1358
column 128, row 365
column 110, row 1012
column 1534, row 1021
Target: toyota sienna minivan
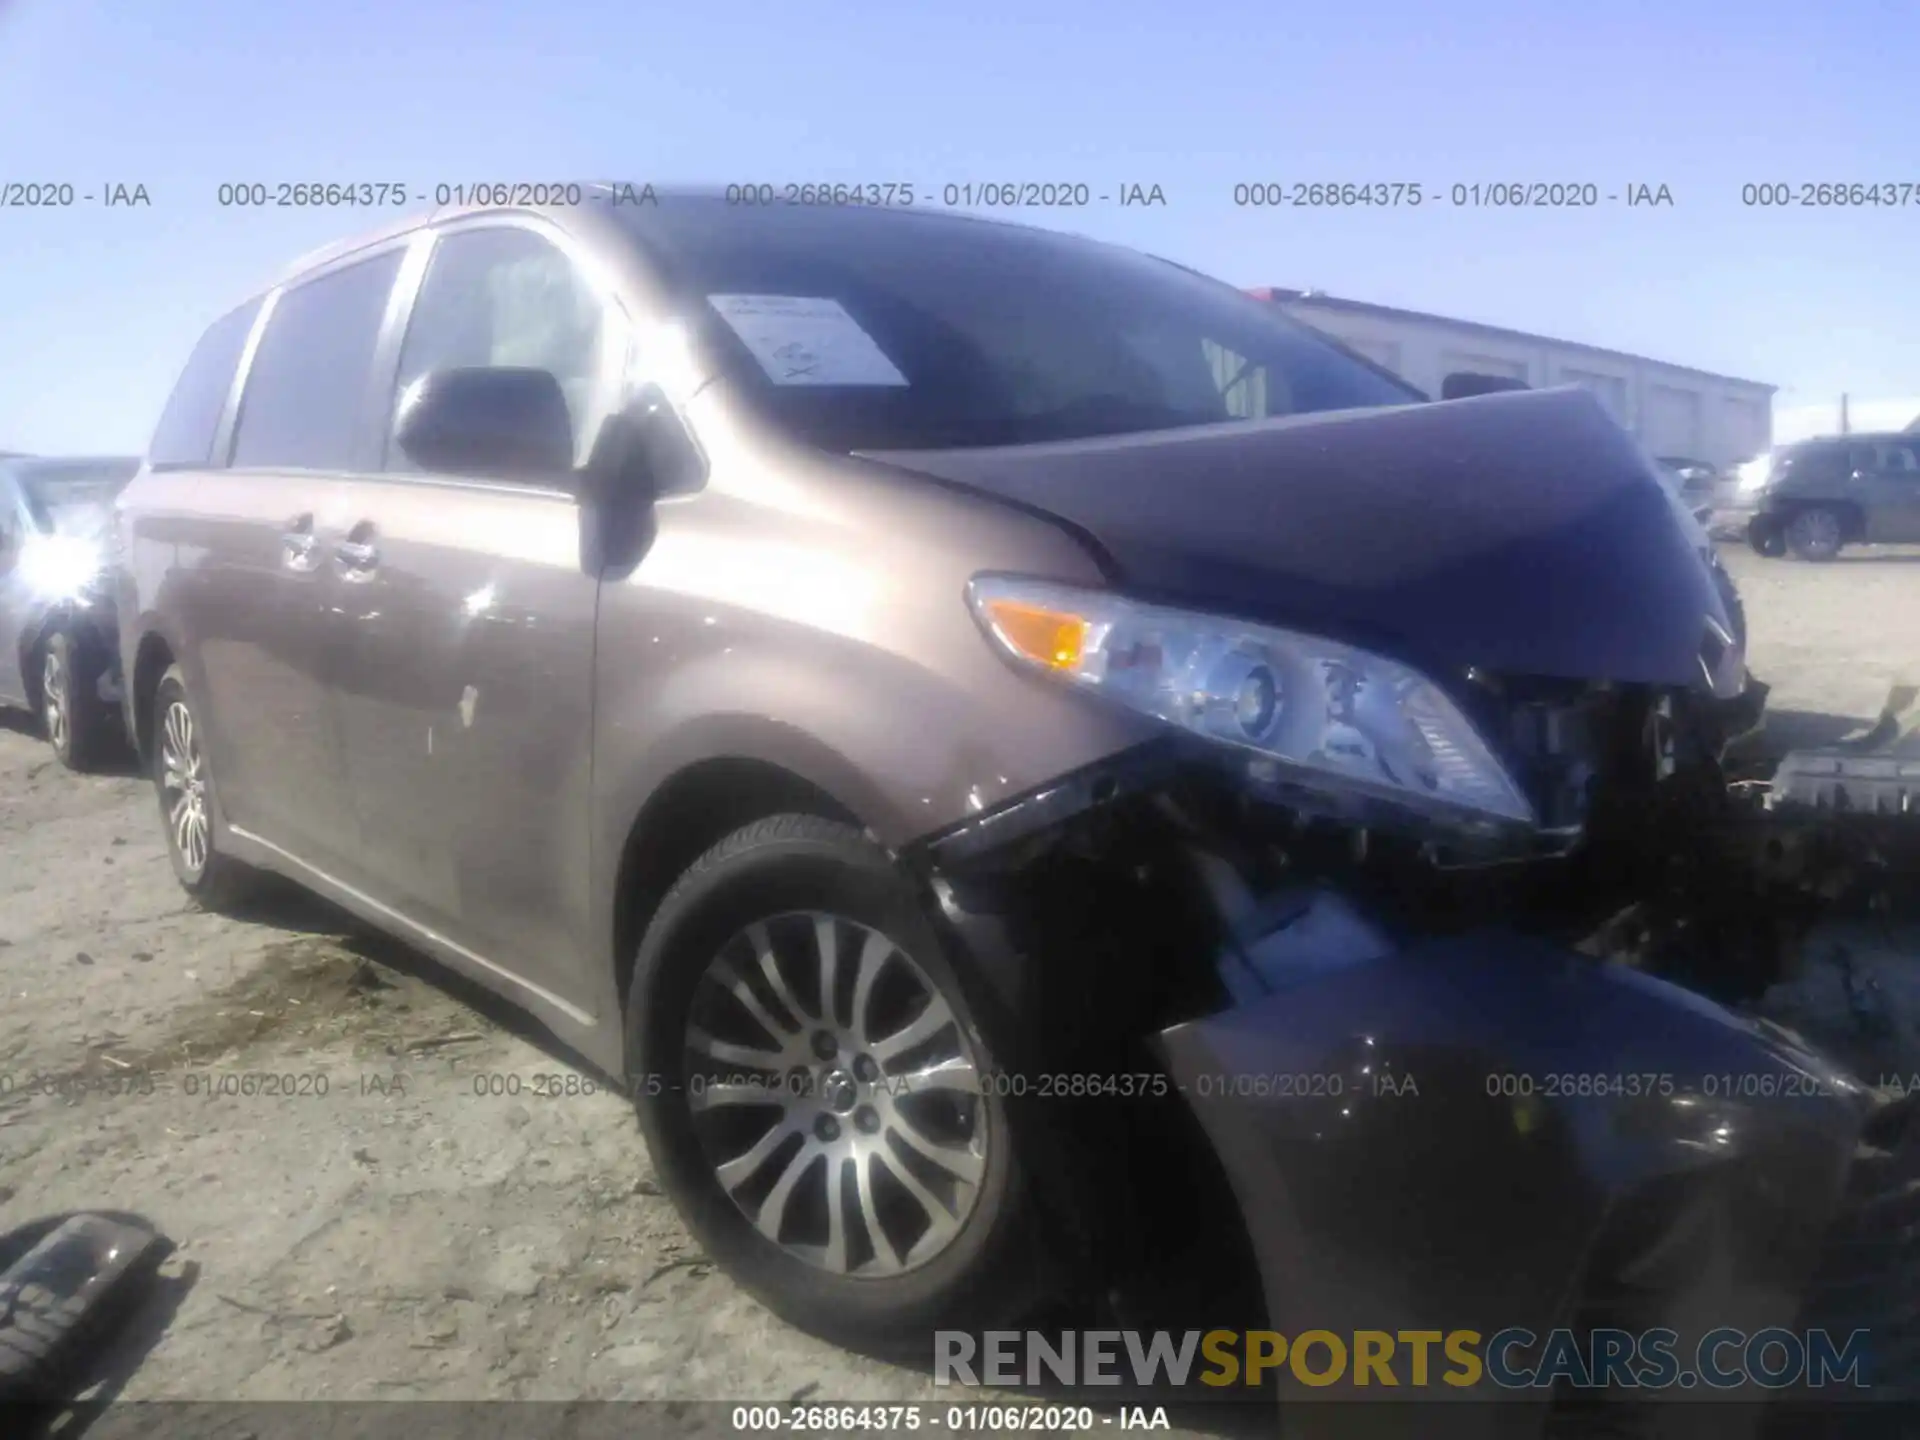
column 996, row 740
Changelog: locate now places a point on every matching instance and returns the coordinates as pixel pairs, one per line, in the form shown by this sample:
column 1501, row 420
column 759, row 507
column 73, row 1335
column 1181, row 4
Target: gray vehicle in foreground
column 59, row 644
column 1823, row 495
column 1011, row 751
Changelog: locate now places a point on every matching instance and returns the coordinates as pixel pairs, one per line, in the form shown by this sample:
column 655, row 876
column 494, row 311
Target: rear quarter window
column 305, row 406
column 184, row 437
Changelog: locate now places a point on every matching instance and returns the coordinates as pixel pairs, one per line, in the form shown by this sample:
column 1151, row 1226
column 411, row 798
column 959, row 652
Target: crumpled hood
column 1522, row 532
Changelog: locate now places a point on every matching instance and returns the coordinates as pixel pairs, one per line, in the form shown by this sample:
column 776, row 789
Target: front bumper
column 1411, row 1149
column 1480, row 1132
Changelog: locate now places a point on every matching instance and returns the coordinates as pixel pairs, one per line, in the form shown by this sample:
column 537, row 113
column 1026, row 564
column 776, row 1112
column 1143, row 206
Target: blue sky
column 98, row 307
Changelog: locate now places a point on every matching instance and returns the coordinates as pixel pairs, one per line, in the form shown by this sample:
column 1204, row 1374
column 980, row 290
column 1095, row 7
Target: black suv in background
column 1824, row 494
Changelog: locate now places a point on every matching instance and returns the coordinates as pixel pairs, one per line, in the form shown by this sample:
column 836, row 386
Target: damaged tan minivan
column 999, row 741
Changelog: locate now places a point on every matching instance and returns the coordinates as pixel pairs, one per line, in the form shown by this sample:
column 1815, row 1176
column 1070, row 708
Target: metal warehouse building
column 1672, row 409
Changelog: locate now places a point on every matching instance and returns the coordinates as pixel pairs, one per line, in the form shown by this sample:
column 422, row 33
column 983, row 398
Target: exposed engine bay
column 1659, row 846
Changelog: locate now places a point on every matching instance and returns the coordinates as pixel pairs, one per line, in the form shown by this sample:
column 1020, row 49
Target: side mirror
column 645, row 451
column 497, row 422
column 642, row 454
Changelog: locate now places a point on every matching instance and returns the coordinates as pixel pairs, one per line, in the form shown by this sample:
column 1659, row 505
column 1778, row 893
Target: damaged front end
column 1449, row 1070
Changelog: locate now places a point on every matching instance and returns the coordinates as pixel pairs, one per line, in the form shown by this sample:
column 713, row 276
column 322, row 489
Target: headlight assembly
column 1329, row 716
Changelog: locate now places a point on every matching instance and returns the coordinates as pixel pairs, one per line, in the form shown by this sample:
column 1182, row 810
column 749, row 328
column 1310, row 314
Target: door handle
column 297, row 543
column 356, row 554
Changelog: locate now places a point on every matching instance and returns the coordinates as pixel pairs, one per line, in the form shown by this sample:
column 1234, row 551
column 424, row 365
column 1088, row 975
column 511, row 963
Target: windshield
column 860, row 330
column 67, row 495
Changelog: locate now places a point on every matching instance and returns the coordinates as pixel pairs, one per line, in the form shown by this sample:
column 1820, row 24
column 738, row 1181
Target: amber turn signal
column 1054, row 638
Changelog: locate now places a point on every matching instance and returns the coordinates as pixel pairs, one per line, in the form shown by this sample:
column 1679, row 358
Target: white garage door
column 1672, row 423
column 1610, row 390
column 1743, row 429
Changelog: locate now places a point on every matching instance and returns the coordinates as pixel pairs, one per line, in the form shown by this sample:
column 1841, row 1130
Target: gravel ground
column 1831, row 639
column 452, row 1218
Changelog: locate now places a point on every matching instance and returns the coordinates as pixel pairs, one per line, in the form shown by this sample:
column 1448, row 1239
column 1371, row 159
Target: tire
column 1765, row 538
column 763, row 888
column 216, row 882
column 1816, row 533
column 82, row 729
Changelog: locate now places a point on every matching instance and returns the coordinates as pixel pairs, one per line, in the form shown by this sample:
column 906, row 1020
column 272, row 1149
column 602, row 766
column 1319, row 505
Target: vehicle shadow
column 378, row 948
column 1734, row 537
column 21, row 722
column 1785, row 729
column 120, row 760
column 284, row 905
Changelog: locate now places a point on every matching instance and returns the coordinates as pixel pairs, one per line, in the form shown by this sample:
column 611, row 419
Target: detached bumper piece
column 1496, row 1131
column 1867, row 1281
column 64, row 1295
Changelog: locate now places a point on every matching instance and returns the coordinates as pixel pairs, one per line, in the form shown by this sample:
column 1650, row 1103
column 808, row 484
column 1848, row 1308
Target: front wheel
column 1816, row 534
column 818, row 1097
column 187, row 803
column 1765, row 537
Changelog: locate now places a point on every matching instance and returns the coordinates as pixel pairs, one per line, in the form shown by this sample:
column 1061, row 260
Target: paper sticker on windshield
column 806, row 341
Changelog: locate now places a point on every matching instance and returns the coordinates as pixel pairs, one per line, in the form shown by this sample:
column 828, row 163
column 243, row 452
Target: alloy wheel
column 836, row 1095
column 1818, row 532
column 54, row 702
column 183, row 788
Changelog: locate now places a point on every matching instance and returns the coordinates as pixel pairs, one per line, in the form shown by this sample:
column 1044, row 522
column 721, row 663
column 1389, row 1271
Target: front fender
column 132, row 630
column 1489, row 1131
column 91, row 623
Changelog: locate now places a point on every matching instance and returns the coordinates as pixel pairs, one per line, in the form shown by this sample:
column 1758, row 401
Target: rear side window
column 305, row 406
column 184, row 436
column 1901, row 457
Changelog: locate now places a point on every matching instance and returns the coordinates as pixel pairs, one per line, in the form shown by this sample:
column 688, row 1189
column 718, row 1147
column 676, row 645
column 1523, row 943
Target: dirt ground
column 436, row 1211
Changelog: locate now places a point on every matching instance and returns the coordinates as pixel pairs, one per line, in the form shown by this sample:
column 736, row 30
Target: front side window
column 872, row 331
column 184, row 437
column 1814, row 460
column 505, row 297
column 305, row 405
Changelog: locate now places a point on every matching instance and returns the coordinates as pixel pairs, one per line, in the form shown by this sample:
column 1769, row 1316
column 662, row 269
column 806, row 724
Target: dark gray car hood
column 1521, row 532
